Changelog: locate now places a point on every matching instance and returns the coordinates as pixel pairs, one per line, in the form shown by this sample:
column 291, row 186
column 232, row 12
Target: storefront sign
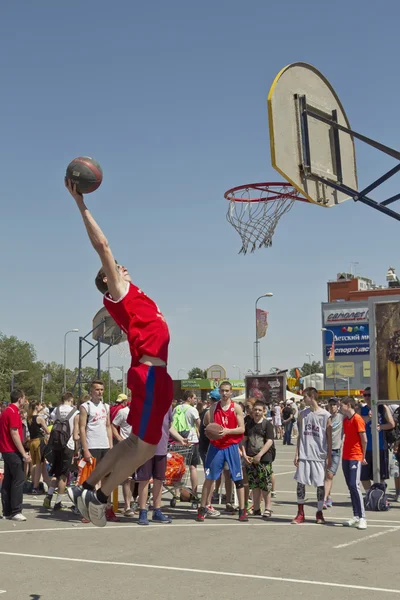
column 339, row 369
column 348, row 350
column 356, row 315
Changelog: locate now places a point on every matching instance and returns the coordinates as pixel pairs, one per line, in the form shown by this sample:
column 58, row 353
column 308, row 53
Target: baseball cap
column 289, row 402
column 215, row 395
column 121, row 398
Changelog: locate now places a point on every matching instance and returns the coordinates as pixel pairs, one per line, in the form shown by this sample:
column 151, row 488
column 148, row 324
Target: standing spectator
column 204, row 444
column 95, row 433
column 257, row 450
column 337, row 438
column 225, row 449
column 14, row 455
column 277, row 421
column 120, row 403
column 37, row 432
column 62, row 448
column 191, row 431
column 354, row 449
column 313, row 453
column 385, row 423
column 121, row 431
column 287, row 422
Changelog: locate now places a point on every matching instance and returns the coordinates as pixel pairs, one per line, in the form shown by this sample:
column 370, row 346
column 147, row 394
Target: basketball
column 86, row 173
column 213, row 431
column 185, row 495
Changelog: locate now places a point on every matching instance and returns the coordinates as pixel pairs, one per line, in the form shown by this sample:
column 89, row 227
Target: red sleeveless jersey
column 140, row 318
column 228, row 420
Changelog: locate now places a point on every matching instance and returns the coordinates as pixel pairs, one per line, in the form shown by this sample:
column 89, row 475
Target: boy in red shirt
column 152, row 389
column 354, row 447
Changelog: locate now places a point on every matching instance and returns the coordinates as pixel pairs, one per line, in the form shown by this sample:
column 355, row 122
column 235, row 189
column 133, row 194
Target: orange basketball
column 213, row 431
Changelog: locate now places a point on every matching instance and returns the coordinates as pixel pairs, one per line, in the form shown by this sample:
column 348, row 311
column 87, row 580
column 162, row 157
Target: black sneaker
column 201, row 514
column 74, row 493
column 59, row 506
column 243, row 518
column 91, row 508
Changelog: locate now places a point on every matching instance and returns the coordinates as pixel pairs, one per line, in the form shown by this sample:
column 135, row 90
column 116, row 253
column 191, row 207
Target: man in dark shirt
column 258, row 454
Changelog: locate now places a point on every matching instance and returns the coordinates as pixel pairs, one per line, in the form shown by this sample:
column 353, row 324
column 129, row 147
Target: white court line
column 285, row 473
column 368, row 537
column 201, row 572
column 156, row 527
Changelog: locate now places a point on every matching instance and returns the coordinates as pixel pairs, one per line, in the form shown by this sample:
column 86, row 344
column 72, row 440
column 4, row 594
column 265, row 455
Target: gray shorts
column 335, row 462
column 310, row 472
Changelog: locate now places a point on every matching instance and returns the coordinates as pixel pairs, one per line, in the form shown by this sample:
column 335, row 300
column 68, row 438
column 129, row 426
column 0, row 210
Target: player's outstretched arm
column 115, row 283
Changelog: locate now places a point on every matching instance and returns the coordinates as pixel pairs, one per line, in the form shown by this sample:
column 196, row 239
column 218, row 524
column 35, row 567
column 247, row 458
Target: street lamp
column 310, row 354
column 65, row 357
column 16, row 373
column 334, row 364
column 237, row 367
column 257, row 343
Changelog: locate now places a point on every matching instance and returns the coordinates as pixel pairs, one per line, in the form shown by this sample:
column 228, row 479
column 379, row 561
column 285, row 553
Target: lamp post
column 257, row 343
column 238, row 368
column 348, row 383
column 123, row 377
column 65, row 357
column 16, row 373
column 310, row 354
column 334, row 363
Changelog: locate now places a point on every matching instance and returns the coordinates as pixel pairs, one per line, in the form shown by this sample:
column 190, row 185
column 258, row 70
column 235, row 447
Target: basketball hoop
column 255, row 209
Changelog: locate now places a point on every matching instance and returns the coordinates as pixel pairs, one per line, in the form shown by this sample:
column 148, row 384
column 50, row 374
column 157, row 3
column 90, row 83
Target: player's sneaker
column 90, row 507
column 230, row 509
column 273, row 494
column 212, row 512
column 201, row 514
column 329, row 502
column 319, row 518
column 111, row 516
column 47, row 503
column 353, row 522
column 143, row 520
column 59, row 506
column 362, row 524
column 299, row 519
column 243, row 518
column 74, row 493
column 18, row 517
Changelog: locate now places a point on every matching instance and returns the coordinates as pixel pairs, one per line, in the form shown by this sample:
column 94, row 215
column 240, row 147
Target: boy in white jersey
column 313, row 453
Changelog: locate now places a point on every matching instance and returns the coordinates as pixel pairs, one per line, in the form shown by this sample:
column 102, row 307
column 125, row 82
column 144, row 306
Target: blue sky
column 170, row 98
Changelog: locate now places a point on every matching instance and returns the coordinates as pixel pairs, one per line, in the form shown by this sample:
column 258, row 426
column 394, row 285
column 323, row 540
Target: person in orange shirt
column 353, row 457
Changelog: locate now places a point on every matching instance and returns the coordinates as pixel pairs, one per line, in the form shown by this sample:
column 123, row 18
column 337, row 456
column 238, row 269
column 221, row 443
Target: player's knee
column 239, row 484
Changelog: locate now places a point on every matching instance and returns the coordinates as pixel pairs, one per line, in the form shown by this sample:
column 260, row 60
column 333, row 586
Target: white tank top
column 96, row 427
column 313, row 443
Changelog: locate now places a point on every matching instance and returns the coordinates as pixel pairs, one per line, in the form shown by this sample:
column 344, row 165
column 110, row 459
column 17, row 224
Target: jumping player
column 151, row 386
column 313, row 453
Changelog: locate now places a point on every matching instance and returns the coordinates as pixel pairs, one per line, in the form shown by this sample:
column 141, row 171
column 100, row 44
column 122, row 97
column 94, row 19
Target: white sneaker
column 18, row 517
column 212, row 512
column 353, row 522
column 362, row 524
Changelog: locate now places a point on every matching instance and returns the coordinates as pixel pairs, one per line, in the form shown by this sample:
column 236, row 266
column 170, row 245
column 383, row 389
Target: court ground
column 58, row 557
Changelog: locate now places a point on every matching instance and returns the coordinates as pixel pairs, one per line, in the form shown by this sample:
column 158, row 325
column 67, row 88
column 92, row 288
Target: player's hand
column 71, row 187
column 184, row 441
column 223, row 432
column 378, row 427
column 364, row 462
column 329, row 462
column 247, row 459
column 256, row 459
column 27, row 458
column 296, row 460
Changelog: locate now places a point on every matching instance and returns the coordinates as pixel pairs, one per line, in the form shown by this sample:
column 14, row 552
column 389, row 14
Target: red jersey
column 140, row 318
column 228, row 420
column 9, row 419
column 352, row 447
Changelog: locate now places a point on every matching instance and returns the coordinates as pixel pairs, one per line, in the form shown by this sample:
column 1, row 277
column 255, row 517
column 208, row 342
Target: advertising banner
column 387, row 349
column 262, row 323
column 360, row 349
column 268, row 388
column 344, row 315
column 341, row 369
column 347, row 334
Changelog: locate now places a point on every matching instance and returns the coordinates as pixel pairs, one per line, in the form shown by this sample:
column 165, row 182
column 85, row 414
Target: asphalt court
column 57, row 556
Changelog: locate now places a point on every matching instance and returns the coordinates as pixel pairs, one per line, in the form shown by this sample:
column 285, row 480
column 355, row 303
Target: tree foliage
column 197, row 373
column 308, row 369
column 17, row 355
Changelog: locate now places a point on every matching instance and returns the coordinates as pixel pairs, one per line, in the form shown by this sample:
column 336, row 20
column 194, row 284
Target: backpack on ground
column 376, row 499
column 61, row 431
column 179, row 420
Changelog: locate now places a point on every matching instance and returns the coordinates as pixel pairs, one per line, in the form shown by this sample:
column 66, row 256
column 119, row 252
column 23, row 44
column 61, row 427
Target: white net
column 254, row 211
column 123, row 350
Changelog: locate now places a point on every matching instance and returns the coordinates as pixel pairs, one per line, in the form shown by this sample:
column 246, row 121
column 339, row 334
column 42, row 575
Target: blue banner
column 350, row 350
column 348, row 334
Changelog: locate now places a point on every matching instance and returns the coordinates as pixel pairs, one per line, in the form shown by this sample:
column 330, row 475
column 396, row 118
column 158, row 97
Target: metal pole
column 348, row 386
column 80, row 368
column 257, row 348
column 65, row 362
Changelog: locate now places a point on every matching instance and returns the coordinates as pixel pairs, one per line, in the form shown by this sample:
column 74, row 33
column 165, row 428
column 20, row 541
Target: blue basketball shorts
column 216, row 459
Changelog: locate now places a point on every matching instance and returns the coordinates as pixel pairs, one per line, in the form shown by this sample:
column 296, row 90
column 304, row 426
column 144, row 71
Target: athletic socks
column 87, row 486
column 101, row 497
column 60, row 498
column 50, row 492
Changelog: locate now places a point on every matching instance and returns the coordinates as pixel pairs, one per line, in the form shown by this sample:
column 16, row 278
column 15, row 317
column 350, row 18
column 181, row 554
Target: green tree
column 308, row 369
column 197, row 373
